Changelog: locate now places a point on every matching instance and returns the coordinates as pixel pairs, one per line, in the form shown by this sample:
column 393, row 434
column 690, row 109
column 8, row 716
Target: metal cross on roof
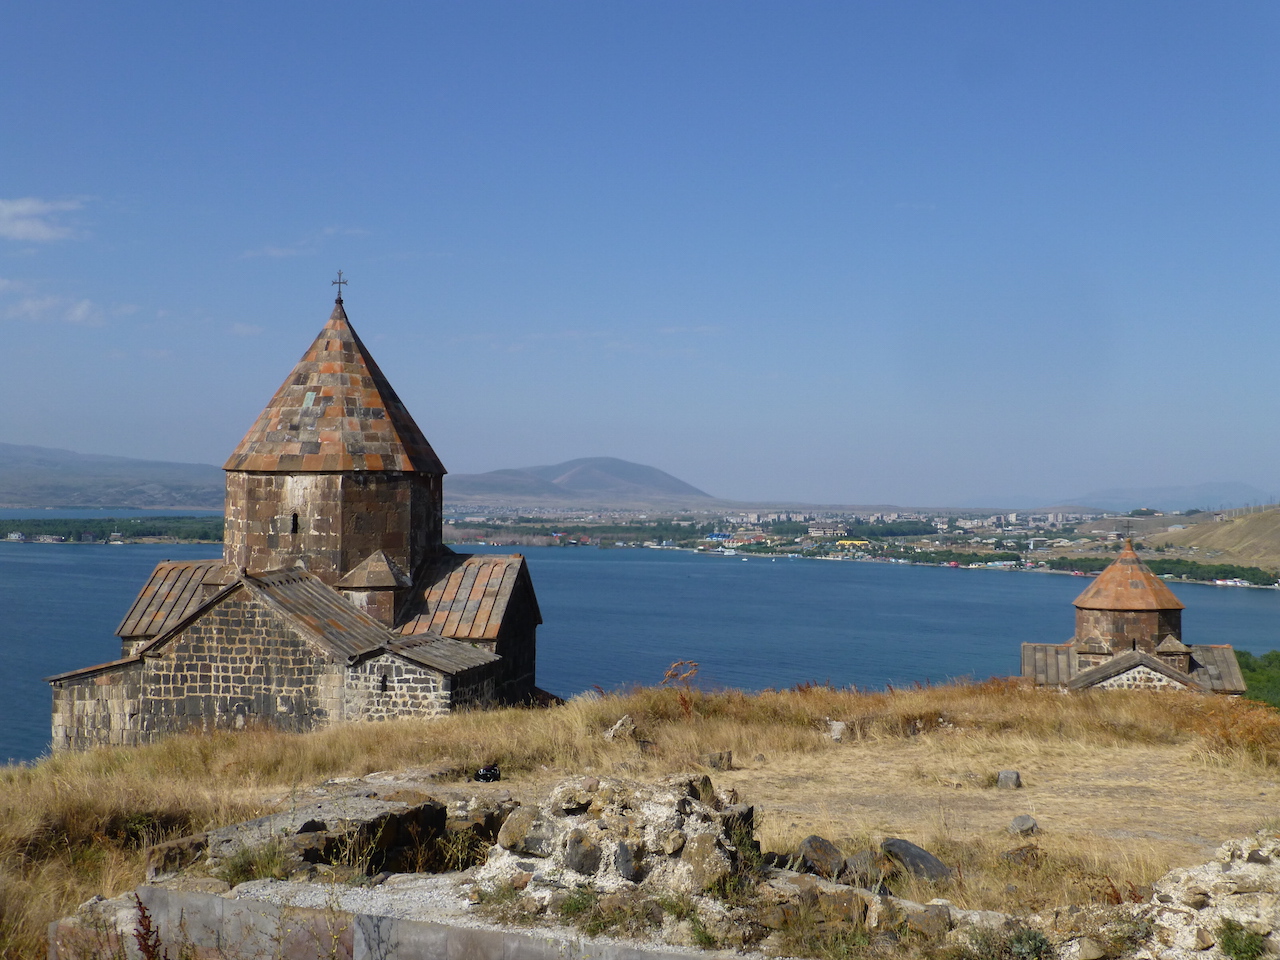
column 339, row 283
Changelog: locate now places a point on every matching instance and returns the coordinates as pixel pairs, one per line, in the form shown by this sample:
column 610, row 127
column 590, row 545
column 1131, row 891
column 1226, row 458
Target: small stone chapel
column 336, row 598
column 1129, row 636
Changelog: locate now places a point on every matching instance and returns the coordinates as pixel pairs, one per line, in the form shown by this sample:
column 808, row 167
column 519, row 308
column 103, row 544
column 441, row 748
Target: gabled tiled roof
column 172, row 591
column 440, row 653
column 466, row 595
column 317, row 609
column 1048, row 664
column 1214, row 665
column 336, row 412
column 1128, row 585
column 1122, row 663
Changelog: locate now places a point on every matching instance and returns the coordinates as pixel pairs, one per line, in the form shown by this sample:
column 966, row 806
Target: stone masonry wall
column 241, row 664
column 1140, row 678
column 1125, row 630
column 204, row 680
column 341, row 518
column 389, row 686
column 100, row 709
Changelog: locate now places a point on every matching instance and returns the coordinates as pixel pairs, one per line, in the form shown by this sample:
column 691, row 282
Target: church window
column 383, row 684
column 293, row 528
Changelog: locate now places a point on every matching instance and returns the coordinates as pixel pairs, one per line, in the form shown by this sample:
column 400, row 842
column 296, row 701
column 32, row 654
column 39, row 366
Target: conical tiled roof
column 336, row 412
column 1128, row 585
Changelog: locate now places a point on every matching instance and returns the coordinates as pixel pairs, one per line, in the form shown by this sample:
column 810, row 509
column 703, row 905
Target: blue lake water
column 98, row 513
column 620, row 617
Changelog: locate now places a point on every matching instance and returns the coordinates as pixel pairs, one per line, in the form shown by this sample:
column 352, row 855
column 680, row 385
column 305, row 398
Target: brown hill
column 1253, row 540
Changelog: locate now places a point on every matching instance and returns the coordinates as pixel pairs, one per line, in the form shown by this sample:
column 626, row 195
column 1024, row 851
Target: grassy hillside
column 1174, row 773
column 1253, row 539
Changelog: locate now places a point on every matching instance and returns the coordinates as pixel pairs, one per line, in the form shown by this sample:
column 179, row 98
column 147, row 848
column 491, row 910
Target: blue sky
column 922, row 253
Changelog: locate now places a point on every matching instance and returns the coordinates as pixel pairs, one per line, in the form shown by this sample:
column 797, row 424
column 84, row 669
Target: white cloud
column 53, row 309
column 245, row 330
column 33, row 219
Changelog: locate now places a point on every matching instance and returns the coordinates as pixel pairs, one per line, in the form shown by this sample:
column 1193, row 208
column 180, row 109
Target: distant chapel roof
column 336, row 412
column 1128, row 585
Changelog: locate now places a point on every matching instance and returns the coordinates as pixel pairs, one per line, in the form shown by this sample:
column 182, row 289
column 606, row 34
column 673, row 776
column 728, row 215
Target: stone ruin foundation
column 356, row 887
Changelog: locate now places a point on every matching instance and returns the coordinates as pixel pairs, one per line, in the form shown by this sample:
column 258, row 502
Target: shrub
column 1022, row 943
column 1238, row 943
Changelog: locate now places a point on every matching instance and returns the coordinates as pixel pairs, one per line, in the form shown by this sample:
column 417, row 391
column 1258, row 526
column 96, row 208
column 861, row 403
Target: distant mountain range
column 1202, row 496
column 604, row 480
column 45, row 477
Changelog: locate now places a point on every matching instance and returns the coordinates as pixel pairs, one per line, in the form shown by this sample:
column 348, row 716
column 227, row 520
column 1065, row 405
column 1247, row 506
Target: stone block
column 1008, row 780
column 307, row 934
column 533, row 946
column 917, row 860
column 707, row 860
column 253, row 927
column 1024, row 825
column 821, row 857
column 468, row 943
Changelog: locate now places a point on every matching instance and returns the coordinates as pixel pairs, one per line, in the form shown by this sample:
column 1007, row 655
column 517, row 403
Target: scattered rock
column 1024, row 856
column 707, row 860
column 836, row 730
column 1009, row 780
column 629, row 860
column 931, row 919
column 1204, row 939
column 525, row 831
column 1197, row 898
column 1089, row 949
column 1024, row 825
column 582, row 852
column 792, row 893
column 175, row 854
column 717, row 761
column 917, row 860
column 821, row 857
column 624, row 729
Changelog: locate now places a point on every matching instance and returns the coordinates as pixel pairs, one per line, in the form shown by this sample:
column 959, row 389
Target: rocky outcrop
column 1239, row 890
column 678, row 835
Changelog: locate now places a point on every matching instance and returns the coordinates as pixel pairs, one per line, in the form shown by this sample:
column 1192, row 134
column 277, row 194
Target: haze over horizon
column 832, row 253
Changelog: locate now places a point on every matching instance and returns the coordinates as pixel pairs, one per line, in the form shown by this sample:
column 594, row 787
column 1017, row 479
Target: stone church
column 335, row 599
column 1129, row 636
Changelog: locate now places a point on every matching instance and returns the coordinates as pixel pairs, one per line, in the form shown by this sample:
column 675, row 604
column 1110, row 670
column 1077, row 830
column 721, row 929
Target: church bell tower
column 334, row 470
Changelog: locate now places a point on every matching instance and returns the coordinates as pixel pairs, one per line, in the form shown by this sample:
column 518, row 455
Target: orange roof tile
column 172, row 592
column 465, row 596
column 1128, row 585
column 335, row 412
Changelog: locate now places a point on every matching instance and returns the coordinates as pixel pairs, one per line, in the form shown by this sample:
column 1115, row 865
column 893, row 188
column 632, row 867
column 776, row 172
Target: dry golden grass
column 1253, row 539
column 1125, row 785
